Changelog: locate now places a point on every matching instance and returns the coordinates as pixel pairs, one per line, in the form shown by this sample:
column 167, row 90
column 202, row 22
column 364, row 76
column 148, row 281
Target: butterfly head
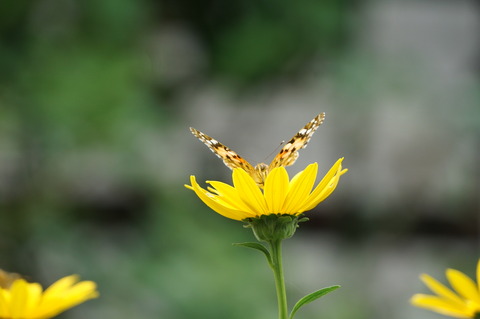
column 261, row 172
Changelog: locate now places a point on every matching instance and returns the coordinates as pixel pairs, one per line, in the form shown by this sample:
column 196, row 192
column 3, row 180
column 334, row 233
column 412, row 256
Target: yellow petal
column 328, row 190
column 4, row 303
column 19, row 298
column 57, row 303
column 209, row 200
column 441, row 290
column 465, row 286
column 326, row 186
column 33, row 300
column 212, row 189
column 440, row 305
column 326, row 180
column 275, row 189
column 299, row 189
column 228, row 196
column 296, row 177
column 249, row 191
column 312, row 202
column 478, row 274
column 61, row 285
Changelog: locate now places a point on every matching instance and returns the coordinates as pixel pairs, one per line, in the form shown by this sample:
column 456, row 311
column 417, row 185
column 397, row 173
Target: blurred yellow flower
column 279, row 196
column 7, row 278
column 24, row 300
column 463, row 303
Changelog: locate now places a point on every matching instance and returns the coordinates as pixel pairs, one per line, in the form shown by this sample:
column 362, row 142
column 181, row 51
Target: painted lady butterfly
column 286, row 157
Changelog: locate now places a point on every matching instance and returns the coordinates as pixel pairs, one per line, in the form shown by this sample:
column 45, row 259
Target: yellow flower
column 279, row 196
column 24, row 300
column 463, row 303
column 7, row 278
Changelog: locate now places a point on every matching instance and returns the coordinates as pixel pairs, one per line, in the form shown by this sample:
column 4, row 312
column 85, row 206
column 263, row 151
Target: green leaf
column 259, row 247
column 311, row 297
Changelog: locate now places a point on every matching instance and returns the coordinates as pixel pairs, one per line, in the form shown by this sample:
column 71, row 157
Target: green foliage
column 270, row 38
column 311, row 297
column 258, row 247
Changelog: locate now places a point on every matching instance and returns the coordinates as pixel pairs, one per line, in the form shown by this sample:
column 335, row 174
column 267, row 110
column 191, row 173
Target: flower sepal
column 274, row 227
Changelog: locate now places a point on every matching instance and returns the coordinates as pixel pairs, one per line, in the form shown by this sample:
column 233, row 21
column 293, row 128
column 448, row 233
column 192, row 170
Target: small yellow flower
column 24, row 300
column 463, row 303
column 279, row 196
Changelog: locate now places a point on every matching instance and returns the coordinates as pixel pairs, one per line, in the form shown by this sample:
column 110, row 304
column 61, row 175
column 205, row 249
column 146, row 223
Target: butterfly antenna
column 274, row 151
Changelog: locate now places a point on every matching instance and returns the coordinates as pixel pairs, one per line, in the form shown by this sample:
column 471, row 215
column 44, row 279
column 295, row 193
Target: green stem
column 277, row 267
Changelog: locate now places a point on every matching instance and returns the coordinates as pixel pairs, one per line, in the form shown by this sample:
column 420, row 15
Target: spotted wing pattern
column 289, row 153
column 229, row 157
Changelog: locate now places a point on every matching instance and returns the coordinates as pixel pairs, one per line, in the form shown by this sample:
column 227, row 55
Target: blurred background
column 96, row 98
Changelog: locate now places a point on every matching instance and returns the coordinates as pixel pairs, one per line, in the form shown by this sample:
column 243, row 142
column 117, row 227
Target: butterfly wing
column 289, row 153
column 229, row 157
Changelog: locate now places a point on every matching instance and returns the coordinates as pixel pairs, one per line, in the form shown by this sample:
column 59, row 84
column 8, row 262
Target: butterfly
column 286, row 157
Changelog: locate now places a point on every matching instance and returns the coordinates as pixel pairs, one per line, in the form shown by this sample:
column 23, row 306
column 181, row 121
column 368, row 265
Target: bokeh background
column 96, row 98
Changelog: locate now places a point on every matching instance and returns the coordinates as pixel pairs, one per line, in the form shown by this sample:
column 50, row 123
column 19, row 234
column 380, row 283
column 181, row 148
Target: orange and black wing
column 229, row 157
column 289, row 153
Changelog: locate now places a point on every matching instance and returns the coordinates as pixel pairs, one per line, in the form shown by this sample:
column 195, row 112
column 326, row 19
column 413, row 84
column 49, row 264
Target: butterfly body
column 286, row 157
column 261, row 172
